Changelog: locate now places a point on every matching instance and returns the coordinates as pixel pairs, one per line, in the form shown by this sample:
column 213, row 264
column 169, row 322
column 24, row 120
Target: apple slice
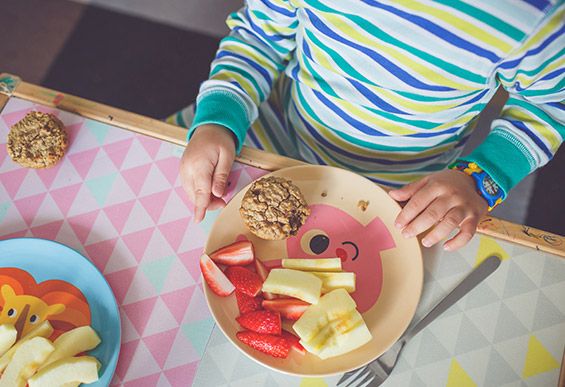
column 294, row 283
column 83, row 369
column 73, row 342
column 25, row 362
column 332, row 306
column 8, row 336
column 332, row 281
column 315, row 264
column 43, row 330
column 263, row 272
column 356, row 335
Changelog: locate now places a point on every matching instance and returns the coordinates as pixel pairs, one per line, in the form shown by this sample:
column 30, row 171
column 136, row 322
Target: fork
column 376, row 372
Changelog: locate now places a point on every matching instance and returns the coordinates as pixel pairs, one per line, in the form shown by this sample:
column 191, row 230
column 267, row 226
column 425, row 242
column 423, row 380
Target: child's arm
column 527, row 135
column 242, row 75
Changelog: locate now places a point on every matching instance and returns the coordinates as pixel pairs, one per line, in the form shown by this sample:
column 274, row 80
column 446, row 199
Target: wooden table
column 154, row 353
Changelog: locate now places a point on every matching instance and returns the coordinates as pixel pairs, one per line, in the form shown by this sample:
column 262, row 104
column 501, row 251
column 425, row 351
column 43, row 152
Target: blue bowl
column 46, row 260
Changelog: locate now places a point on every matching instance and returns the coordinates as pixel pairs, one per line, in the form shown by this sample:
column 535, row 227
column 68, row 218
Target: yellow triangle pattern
column 313, row 382
column 538, row 359
column 458, row 377
column 487, row 247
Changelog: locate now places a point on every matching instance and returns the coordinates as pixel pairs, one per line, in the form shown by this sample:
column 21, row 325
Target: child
column 388, row 89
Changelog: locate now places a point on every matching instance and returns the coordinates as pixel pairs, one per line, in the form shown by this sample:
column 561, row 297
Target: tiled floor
column 150, row 56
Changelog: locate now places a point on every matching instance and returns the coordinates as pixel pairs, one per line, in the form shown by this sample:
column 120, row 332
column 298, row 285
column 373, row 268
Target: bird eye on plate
column 33, row 318
column 315, row 242
column 12, row 312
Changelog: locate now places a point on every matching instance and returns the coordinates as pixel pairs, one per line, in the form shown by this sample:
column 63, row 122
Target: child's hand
column 205, row 167
column 446, row 199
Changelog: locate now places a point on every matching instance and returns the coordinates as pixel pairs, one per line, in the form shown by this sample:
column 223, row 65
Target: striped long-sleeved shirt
column 392, row 89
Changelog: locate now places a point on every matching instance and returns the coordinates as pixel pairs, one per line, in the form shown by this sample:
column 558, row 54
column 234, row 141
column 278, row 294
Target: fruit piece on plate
column 83, row 369
column 263, row 272
column 238, row 253
column 275, row 346
column 290, row 308
column 261, row 321
column 332, row 306
column 244, row 280
column 215, row 278
column 332, row 281
column 294, row 283
column 294, row 342
column 25, row 362
column 246, row 303
column 8, row 336
column 73, row 342
column 43, row 330
column 312, row 264
column 352, row 334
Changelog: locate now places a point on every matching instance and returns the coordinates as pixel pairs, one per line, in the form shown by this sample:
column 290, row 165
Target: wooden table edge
column 489, row 225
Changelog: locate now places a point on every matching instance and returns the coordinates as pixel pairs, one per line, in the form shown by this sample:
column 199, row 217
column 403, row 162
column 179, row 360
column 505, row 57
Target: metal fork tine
column 370, row 376
column 366, row 371
column 349, row 375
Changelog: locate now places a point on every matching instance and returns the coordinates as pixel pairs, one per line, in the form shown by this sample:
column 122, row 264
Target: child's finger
column 466, row 231
column 450, row 222
column 430, row 216
column 406, row 192
column 415, row 205
column 202, row 193
column 221, row 173
column 216, row 204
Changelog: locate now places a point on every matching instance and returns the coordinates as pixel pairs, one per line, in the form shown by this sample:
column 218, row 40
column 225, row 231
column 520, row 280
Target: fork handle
column 486, row 268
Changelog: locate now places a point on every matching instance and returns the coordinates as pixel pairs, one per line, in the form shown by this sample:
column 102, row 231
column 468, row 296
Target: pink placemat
column 117, row 198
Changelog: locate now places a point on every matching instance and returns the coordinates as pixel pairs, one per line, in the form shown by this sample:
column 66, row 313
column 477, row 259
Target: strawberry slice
column 290, row 308
column 263, row 272
column 247, row 303
column 294, row 342
column 244, row 280
column 238, row 253
column 261, row 321
column 275, row 346
column 216, row 280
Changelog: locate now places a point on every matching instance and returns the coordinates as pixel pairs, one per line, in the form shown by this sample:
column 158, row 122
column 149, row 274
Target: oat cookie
column 274, row 208
column 38, row 140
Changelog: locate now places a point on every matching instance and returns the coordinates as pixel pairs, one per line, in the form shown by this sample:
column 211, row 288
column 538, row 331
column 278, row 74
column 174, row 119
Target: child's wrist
column 485, row 186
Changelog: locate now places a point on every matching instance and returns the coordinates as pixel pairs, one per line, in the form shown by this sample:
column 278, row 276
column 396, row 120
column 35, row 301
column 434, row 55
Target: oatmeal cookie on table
column 38, row 140
column 273, row 208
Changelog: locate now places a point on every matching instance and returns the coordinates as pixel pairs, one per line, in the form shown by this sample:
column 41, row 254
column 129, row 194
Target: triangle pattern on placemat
column 118, row 151
column 139, row 313
column 137, row 242
column 181, row 352
column 517, row 282
column 225, row 358
column 175, row 231
column 508, row 326
column 546, row 314
column 169, row 167
column 174, row 209
column 157, row 271
column 160, row 345
column 458, row 377
column 154, row 182
column 178, row 301
column 161, row 319
column 191, row 261
column 469, row 337
column 198, row 332
column 499, row 372
column 431, row 350
column 487, row 247
column 127, row 350
column 135, row 177
column 137, row 220
column 12, row 180
column 100, row 187
column 82, row 161
column 48, row 230
column 120, row 259
column 31, row 185
column 523, row 306
column 29, row 206
column 99, row 253
column 183, row 375
column 538, row 359
column 120, row 282
column 65, row 197
column 154, row 204
column 140, row 289
column 553, row 271
column 48, row 175
column 118, row 214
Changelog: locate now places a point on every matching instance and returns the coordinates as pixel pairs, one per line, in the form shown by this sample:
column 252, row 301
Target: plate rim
column 320, row 374
column 114, row 363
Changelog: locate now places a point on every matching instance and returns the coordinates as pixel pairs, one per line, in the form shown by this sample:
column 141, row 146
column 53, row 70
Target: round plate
column 388, row 267
column 48, row 260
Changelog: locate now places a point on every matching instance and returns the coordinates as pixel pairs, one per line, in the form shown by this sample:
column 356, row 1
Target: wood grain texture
column 490, row 226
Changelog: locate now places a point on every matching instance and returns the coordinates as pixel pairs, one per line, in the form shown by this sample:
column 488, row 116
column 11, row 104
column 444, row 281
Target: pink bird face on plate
column 330, row 232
